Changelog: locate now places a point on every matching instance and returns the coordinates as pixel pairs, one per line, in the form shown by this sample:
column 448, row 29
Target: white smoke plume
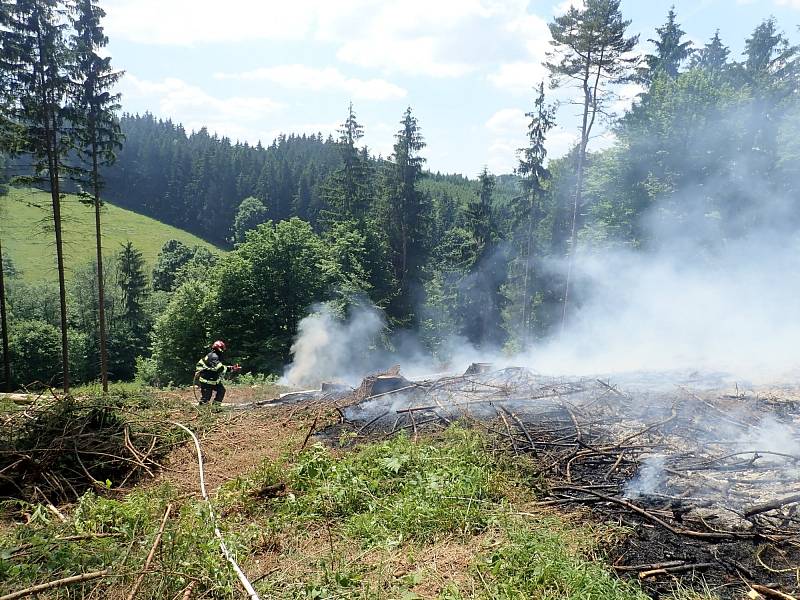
column 649, row 477
column 328, row 348
column 735, row 312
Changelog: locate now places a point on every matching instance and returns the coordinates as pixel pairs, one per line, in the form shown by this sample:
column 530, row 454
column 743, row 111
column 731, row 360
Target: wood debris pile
column 708, row 481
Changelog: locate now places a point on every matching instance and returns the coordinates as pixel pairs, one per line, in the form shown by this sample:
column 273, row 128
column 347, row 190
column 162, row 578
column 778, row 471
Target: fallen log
column 51, row 585
column 675, row 569
column 761, row 589
column 771, row 505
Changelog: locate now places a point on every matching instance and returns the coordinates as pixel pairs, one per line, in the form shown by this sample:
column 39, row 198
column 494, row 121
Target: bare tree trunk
column 590, row 106
column 4, row 326
column 51, row 135
column 525, row 317
column 101, row 306
column 578, row 195
column 55, row 194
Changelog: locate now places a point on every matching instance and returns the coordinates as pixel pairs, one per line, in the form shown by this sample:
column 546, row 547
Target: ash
column 706, row 472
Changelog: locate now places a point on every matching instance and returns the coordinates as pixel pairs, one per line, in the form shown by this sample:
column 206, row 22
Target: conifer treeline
column 196, row 181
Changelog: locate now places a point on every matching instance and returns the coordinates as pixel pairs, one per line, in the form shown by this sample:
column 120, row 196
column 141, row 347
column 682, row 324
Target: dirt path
column 237, row 443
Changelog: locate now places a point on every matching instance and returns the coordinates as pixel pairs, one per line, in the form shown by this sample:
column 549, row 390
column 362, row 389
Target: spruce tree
column 405, row 205
column 34, row 61
column 591, row 51
column 713, row 57
column 671, row 52
column 96, row 130
column 480, row 220
column 347, row 189
column 526, row 212
column 132, row 281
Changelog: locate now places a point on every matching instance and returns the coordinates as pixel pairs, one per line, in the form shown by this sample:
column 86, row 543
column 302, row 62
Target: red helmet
column 218, row 345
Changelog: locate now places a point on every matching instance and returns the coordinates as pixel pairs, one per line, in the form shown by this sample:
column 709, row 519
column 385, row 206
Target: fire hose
column 248, row 587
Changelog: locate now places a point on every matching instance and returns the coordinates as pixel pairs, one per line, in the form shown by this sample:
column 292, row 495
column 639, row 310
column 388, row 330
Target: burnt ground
column 591, row 440
column 703, row 473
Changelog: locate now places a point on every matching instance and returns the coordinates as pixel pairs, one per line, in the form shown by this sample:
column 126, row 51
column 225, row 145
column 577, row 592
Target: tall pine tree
column 526, row 208
column 96, row 130
column 713, row 57
column 591, row 51
column 347, row 190
column 405, row 204
column 671, row 52
column 34, row 60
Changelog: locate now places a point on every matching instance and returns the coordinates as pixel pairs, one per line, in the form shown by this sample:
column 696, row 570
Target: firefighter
column 209, row 372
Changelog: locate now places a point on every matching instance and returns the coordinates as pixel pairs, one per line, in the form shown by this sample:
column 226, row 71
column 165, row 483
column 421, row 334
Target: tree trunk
column 101, row 306
column 51, row 149
column 525, row 317
column 578, row 195
column 4, row 327
column 590, row 101
column 55, row 194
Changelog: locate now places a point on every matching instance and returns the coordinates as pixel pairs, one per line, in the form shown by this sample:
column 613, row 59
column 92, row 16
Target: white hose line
column 239, row 573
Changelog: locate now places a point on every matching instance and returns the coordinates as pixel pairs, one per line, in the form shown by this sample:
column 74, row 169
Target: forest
column 708, row 149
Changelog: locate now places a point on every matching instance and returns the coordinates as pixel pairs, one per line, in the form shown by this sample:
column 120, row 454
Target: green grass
column 360, row 524
column 26, row 231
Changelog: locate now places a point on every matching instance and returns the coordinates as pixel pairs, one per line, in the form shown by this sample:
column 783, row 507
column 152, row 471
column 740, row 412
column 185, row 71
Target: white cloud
column 237, row 117
column 416, row 56
column 507, row 120
column 316, row 80
column 189, row 22
column 789, row 3
column 562, row 7
column 506, row 129
column 443, row 38
column 519, row 77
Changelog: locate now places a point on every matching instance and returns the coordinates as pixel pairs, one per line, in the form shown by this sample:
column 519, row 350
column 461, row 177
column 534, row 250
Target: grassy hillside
column 26, row 233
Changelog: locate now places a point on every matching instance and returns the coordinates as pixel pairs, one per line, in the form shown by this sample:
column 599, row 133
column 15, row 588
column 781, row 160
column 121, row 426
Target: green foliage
column 250, row 214
column 671, row 52
column 34, row 349
column 188, row 549
column 181, row 333
column 173, row 256
column 407, row 216
column 196, row 181
column 265, row 287
column 536, row 563
column 398, row 490
column 348, row 190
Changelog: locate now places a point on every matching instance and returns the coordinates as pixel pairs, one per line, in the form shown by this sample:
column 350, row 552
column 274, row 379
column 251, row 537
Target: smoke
column 771, row 435
column 649, row 477
column 330, row 348
column 735, row 312
column 345, row 348
column 713, row 285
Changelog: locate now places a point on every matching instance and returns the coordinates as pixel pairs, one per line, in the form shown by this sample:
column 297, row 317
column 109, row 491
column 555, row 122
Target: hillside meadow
column 26, row 232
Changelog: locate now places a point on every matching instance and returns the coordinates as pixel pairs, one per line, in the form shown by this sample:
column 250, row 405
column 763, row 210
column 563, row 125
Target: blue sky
column 252, row 69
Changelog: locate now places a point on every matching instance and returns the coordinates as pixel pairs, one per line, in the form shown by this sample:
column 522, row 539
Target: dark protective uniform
column 209, row 373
